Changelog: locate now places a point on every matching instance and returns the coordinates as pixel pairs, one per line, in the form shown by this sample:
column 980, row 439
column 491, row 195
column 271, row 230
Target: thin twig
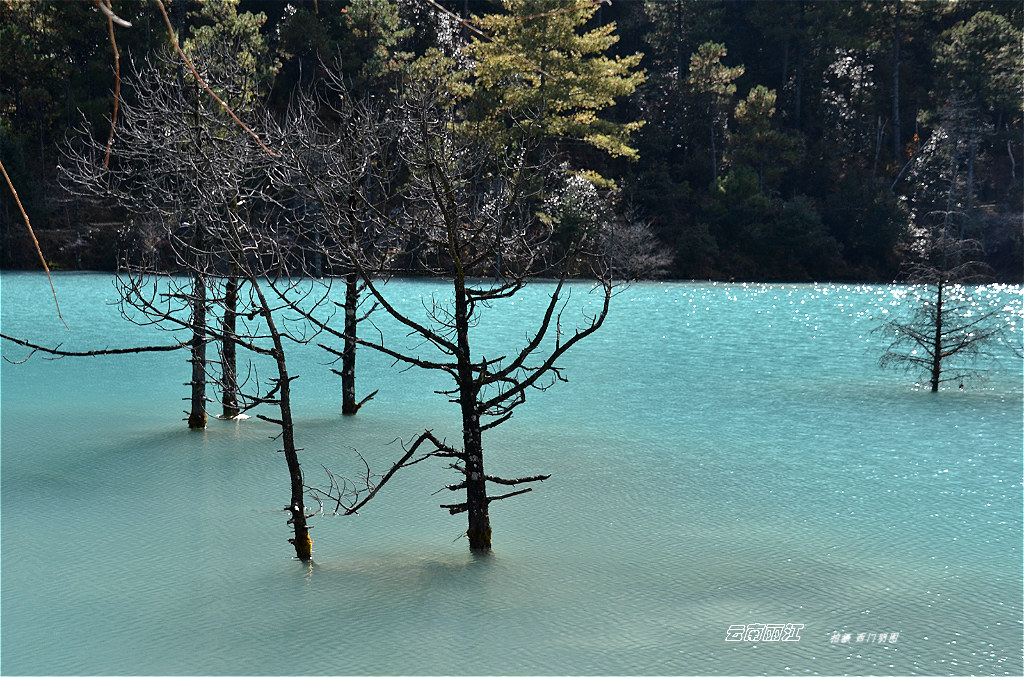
column 458, row 19
column 35, row 241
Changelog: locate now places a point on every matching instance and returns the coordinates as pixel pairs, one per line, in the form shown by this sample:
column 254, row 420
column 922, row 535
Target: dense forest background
column 777, row 140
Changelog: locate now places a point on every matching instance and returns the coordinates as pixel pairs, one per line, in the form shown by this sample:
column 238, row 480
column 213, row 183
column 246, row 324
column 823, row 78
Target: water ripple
column 721, row 455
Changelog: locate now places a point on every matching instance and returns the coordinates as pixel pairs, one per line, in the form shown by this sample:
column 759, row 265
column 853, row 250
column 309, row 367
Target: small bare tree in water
column 947, row 331
column 338, row 170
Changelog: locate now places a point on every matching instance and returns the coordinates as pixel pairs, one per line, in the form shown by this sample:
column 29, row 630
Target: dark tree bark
column 479, row 529
column 301, row 540
column 197, row 412
column 228, row 353
column 57, row 352
column 349, row 405
column 937, row 337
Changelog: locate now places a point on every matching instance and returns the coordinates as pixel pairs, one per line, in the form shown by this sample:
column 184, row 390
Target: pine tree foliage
column 544, row 65
column 860, row 89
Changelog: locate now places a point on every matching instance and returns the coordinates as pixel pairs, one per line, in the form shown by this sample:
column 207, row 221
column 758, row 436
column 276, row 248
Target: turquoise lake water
column 722, row 455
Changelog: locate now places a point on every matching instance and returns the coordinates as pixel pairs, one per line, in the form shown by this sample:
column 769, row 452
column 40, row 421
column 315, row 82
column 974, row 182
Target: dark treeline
column 789, row 140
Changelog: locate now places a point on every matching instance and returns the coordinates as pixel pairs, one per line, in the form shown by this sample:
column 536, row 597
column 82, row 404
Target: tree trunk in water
column 349, row 406
column 301, row 541
column 937, row 343
column 197, row 413
column 479, row 530
column 229, row 369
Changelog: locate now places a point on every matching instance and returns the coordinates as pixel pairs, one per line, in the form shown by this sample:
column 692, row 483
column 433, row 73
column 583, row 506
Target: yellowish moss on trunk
column 303, row 546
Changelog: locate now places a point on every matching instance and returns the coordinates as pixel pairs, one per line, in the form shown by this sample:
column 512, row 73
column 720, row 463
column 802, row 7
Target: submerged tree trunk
column 479, row 529
column 300, row 540
column 229, row 368
column 349, row 405
column 197, row 412
column 937, row 342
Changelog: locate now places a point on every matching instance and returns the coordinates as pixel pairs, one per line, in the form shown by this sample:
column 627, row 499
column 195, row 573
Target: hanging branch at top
column 107, row 9
column 31, row 232
column 468, row 24
column 109, row 12
column 199, row 79
column 111, row 20
column 458, row 19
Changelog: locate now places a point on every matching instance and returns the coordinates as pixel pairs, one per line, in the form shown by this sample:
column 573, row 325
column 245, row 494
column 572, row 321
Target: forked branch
column 456, row 508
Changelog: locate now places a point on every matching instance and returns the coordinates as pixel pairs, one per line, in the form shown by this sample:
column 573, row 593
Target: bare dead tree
column 175, row 152
column 469, row 208
column 946, row 332
column 634, row 250
column 209, row 239
column 339, row 169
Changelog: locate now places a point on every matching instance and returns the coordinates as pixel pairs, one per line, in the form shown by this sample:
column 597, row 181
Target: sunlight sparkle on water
column 743, row 399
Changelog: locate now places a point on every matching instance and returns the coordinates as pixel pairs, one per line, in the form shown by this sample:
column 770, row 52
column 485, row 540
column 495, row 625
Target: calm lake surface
column 722, row 455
